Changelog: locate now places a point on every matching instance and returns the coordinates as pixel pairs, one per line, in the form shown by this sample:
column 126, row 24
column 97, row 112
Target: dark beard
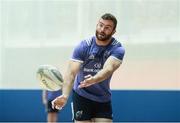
column 103, row 37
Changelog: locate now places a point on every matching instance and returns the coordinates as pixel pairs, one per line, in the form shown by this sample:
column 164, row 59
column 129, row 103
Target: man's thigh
column 82, row 108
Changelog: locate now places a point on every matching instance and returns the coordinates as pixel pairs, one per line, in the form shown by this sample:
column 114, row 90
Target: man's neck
column 103, row 43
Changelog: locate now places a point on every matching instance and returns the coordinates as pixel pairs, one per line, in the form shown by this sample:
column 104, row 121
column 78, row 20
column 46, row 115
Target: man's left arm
column 109, row 67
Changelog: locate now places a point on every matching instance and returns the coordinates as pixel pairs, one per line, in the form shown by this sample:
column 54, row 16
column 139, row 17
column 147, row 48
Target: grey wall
column 38, row 32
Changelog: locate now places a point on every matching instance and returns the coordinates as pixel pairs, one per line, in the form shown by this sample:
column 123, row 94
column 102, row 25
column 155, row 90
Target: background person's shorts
column 85, row 109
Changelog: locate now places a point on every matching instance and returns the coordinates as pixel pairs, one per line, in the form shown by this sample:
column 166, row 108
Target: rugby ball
column 49, row 78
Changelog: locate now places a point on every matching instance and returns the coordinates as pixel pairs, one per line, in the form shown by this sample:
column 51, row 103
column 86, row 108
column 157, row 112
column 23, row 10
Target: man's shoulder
column 88, row 41
column 115, row 42
column 116, row 45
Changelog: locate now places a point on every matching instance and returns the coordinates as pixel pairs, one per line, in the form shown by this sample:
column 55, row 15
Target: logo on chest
column 91, row 57
column 97, row 65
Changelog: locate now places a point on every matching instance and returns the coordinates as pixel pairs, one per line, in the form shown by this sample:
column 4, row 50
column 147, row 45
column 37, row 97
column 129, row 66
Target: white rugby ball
column 49, row 77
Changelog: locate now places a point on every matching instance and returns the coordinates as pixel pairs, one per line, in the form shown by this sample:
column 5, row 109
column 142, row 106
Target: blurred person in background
column 47, row 97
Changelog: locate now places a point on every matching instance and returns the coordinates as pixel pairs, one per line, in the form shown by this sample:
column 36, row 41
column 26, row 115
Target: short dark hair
column 108, row 16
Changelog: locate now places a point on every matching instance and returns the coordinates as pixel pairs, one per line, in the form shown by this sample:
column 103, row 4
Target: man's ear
column 96, row 25
column 113, row 32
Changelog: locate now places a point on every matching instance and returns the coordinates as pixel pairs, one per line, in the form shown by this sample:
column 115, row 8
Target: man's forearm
column 110, row 66
column 67, row 86
column 69, row 77
column 103, row 74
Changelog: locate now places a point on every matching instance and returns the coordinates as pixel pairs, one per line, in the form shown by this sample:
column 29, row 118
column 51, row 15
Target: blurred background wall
column 35, row 32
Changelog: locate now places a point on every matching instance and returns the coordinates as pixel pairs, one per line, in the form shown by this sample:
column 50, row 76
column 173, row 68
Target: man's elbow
column 109, row 71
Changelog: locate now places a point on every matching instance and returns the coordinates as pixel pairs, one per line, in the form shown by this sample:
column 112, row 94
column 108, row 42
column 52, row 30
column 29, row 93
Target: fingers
column 85, row 83
column 82, row 85
column 88, row 76
column 88, row 80
column 55, row 106
column 59, row 102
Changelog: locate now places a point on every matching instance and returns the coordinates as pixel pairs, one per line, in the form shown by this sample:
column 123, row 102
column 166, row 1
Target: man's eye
column 107, row 28
column 100, row 25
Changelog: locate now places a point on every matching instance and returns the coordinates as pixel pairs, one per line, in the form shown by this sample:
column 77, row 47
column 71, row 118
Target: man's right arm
column 72, row 70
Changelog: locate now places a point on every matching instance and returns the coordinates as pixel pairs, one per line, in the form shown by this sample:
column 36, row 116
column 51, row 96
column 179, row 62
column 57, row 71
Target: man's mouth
column 101, row 34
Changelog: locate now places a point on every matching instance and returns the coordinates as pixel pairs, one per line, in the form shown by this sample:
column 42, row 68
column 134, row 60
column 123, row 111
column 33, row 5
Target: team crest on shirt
column 91, row 56
column 79, row 114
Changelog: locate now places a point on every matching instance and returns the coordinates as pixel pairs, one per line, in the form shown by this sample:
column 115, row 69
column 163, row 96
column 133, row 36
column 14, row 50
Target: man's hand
column 88, row 81
column 59, row 102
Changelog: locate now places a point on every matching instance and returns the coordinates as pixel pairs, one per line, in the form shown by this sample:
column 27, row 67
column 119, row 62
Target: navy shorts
column 49, row 107
column 85, row 109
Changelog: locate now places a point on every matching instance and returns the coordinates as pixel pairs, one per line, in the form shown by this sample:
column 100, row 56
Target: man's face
column 104, row 30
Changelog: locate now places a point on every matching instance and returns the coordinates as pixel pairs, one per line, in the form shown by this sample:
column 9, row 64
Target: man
column 47, row 97
column 89, row 72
